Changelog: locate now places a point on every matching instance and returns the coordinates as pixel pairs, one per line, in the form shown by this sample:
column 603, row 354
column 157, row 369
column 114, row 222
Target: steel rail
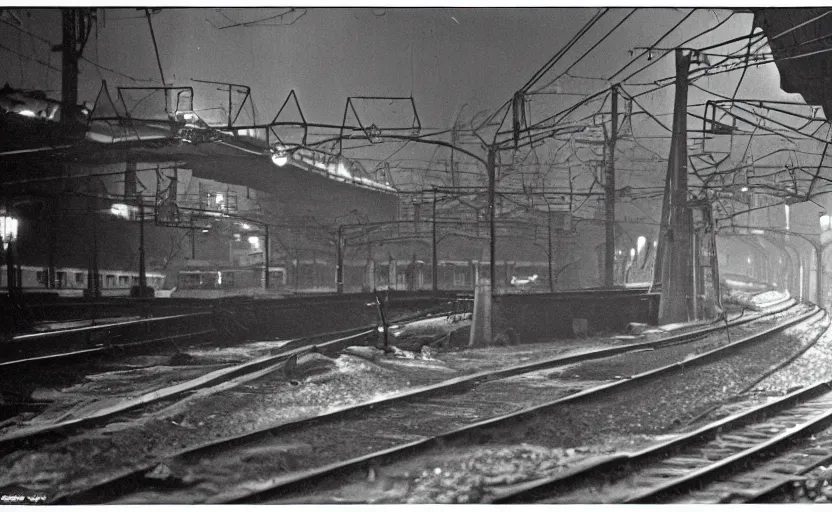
column 320, row 343
column 84, row 336
column 281, row 486
column 625, row 462
column 132, row 478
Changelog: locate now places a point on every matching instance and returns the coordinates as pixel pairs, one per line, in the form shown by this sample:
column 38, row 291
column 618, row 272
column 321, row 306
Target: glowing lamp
column 120, row 210
column 8, row 229
column 341, row 170
column 825, row 222
column 744, row 189
column 632, row 253
column 280, row 156
column 255, row 242
column 640, row 243
column 27, row 113
column 280, row 159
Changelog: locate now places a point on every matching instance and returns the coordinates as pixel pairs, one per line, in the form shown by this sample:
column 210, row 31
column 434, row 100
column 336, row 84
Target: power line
column 29, row 58
column 609, row 33
column 560, row 53
column 672, row 29
column 156, row 49
column 697, row 36
column 816, row 18
column 89, row 61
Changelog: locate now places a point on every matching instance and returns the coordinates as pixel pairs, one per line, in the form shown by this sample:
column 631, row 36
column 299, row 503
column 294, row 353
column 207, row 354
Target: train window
column 80, row 278
column 41, row 277
column 110, row 281
column 61, row 279
column 123, row 281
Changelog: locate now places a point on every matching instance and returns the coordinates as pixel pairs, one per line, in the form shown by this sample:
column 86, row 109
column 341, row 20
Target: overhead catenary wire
column 560, row 53
column 697, row 36
column 608, row 34
column 81, row 57
column 672, row 29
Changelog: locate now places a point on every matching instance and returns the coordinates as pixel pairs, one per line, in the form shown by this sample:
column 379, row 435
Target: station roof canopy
column 802, row 49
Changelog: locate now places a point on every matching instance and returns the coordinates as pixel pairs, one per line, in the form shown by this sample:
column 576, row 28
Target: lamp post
column 339, row 264
column 825, row 238
column 8, row 233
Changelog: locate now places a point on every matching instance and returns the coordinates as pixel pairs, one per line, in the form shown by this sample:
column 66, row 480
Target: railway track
column 443, row 413
column 327, row 343
column 750, row 457
column 61, row 357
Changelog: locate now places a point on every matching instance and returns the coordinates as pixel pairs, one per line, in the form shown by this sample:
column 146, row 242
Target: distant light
column 280, row 159
column 619, row 252
column 245, row 226
column 219, row 277
column 744, row 189
column 758, row 232
column 655, row 243
column 749, row 260
column 204, row 230
column 254, row 241
column 120, row 210
column 8, row 229
column 632, row 252
column 640, row 243
column 219, row 199
column 825, row 222
column 341, row 170
column 27, row 113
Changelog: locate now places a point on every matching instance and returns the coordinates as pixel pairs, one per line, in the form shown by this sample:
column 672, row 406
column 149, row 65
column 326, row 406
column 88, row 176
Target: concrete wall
column 261, row 318
column 542, row 317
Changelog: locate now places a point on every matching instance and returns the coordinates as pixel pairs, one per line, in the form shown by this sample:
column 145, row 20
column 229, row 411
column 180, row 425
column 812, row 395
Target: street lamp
column 280, row 158
column 8, row 232
column 825, row 222
column 8, row 229
column 825, row 238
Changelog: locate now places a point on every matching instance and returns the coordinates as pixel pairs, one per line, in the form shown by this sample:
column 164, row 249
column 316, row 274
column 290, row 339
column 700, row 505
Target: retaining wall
column 541, row 317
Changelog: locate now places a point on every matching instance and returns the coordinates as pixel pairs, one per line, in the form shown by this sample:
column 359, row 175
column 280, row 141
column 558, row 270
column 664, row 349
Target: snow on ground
column 813, row 366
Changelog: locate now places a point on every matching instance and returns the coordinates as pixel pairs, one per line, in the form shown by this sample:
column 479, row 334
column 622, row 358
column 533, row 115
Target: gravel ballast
column 69, row 464
column 655, row 408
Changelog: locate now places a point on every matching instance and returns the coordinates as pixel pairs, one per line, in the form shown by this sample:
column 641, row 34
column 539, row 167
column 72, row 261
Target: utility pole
column 339, row 263
column 69, row 64
column 492, row 185
column 609, row 196
column 52, row 233
column 142, row 267
column 434, row 260
column 93, row 285
column 266, row 258
column 676, row 260
column 549, row 253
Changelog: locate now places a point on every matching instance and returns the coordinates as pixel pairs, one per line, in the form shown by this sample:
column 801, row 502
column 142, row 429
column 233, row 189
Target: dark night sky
column 444, row 57
column 459, row 55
